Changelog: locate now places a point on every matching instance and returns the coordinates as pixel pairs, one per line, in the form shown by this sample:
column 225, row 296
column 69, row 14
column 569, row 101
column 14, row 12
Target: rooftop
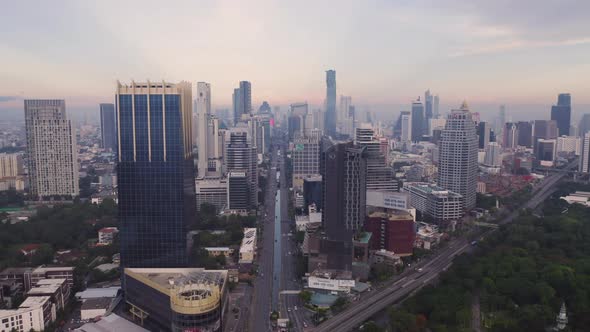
column 111, row 323
column 47, row 286
column 34, row 301
column 163, row 277
column 249, row 240
column 90, row 293
column 97, row 303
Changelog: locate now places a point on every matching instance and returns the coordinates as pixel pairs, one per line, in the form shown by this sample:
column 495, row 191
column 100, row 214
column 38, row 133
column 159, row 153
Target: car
column 305, row 324
column 419, row 269
column 288, row 309
column 295, row 308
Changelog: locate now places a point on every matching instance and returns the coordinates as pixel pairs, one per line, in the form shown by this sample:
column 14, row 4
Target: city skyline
column 499, row 48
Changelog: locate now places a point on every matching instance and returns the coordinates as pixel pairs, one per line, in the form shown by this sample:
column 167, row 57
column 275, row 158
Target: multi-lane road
column 425, row 271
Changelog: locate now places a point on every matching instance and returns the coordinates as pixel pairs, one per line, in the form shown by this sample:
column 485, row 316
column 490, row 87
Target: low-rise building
column 27, row 277
column 35, row 314
column 211, row 191
column 437, row 203
column 111, row 322
column 393, row 230
column 579, row 197
column 177, row 299
column 106, row 235
column 93, row 308
column 248, row 246
column 428, row 236
column 383, row 256
column 219, row 251
column 57, row 290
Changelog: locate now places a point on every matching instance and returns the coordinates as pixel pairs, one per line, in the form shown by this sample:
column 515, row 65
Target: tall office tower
column 546, row 150
column 501, row 120
column 483, row 133
column 584, row 125
column 51, row 149
column 510, row 140
column 406, row 128
column 246, row 97
column 344, row 109
column 544, row 129
column 379, row 175
column 306, row 159
column 493, row 157
column 562, row 113
column 428, row 105
column 568, row 145
column 417, row 120
column 343, row 170
column 297, row 120
column 264, row 108
column 203, row 118
column 155, row 173
column 585, row 154
column 108, row 127
column 237, row 105
column 457, row 168
column 525, row 134
column 318, row 119
column 435, row 105
column 436, row 123
column 330, row 115
column 11, row 164
column 238, row 191
column 242, row 158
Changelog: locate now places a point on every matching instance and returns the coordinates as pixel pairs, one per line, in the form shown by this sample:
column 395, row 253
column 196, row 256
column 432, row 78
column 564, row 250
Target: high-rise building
column 238, row 191
column 585, row 154
column 435, row 105
column 344, row 109
column 483, row 133
column 242, row 158
column 417, row 120
column 428, row 107
column 457, row 167
column 51, row 149
column 379, row 175
column 568, row 145
column 436, row 123
column 501, row 120
column 584, row 125
column 510, row 140
column 242, row 100
column 330, row 115
column 525, row 133
column 108, row 127
column 562, row 113
column 406, row 128
column 544, row 129
column 155, row 173
column 493, row 156
column 11, row 164
column 546, row 149
column 306, row 159
column 343, row 170
column 203, row 115
column 297, row 120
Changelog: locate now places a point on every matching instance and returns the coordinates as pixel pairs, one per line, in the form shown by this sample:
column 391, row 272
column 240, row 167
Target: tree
column 402, row 321
column 371, row 327
column 305, row 296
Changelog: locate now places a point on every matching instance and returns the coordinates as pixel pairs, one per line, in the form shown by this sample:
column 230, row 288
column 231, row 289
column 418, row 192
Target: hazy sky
column 384, row 52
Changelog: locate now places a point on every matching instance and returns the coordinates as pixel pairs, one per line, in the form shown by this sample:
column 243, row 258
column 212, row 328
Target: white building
column 387, row 199
column 569, row 145
column 11, row 164
column 203, row 103
column 585, row 154
column 106, row 235
column 457, row 165
column 248, row 247
column 306, row 159
column 493, row 155
column 406, row 134
column 436, row 123
column 333, row 285
column 35, row 313
column 438, row 203
column 51, row 148
column 212, row 191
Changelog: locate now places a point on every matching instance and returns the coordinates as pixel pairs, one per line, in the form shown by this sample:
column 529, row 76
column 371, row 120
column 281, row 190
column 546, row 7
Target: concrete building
column 305, row 159
column 525, row 133
column 330, row 116
column 493, row 156
column 569, row 145
column 11, row 165
column 177, row 299
column 51, row 149
column 238, row 192
column 390, row 200
column 242, row 101
column 106, row 235
column 546, row 150
column 483, row 134
column 34, row 314
column 585, row 154
column 379, row 175
column 212, row 191
column 510, row 140
column 417, row 120
column 437, row 203
column 93, row 308
column 406, row 129
column 457, row 166
column 57, row 290
column 393, row 230
column 544, row 129
column 203, row 103
column 312, row 191
column 562, row 113
column 248, row 246
column 241, row 157
column 108, row 127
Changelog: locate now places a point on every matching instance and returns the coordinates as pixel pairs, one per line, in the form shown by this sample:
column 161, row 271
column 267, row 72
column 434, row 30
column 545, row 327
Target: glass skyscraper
column 562, row 113
column 330, row 115
column 155, row 173
column 108, row 127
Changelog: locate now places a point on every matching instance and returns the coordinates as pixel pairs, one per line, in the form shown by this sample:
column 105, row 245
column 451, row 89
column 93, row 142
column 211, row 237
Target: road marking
column 409, row 282
column 402, row 279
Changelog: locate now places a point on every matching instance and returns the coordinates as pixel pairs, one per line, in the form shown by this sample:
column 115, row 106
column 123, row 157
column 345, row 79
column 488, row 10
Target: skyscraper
column 428, row 107
column 379, row 175
column 242, row 100
column 155, row 173
column 343, row 170
column 330, row 115
column 483, row 132
column 493, row 155
column 510, row 140
column 544, row 129
column 584, row 125
column 525, row 133
column 51, row 149
column 457, row 169
column 242, row 158
column 435, row 106
column 417, row 120
column 406, row 128
column 585, row 154
column 108, row 127
column 562, row 113
column 203, row 115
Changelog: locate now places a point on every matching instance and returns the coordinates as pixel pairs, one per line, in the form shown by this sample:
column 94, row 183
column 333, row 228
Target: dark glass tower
column 330, row 116
column 155, row 173
column 562, row 113
column 108, row 127
column 417, row 120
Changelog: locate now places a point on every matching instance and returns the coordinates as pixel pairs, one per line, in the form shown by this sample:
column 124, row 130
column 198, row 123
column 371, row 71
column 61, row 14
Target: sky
column 386, row 53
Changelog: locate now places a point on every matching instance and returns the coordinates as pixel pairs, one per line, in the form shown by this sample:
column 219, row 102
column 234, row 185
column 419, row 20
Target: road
column 424, row 272
column 263, row 284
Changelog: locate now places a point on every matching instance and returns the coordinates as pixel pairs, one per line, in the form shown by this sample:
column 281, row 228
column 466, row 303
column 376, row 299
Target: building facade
column 562, row 113
column 155, row 173
column 330, row 114
column 392, row 230
column 51, row 149
column 108, row 127
column 457, row 168
column 306, row 159
column 417, row 120
column 439, row 204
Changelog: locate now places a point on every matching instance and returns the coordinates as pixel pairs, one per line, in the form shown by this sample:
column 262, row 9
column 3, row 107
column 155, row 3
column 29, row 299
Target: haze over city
column 386, row 52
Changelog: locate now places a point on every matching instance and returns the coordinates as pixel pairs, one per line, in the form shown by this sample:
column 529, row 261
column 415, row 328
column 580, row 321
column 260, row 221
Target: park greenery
column 519, row 275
